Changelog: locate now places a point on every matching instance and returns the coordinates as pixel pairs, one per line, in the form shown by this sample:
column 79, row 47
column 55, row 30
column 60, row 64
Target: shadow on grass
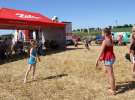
column 13, row 58
column 73, row 48
column 55, row 76
column 122, row 87
column 49, row 78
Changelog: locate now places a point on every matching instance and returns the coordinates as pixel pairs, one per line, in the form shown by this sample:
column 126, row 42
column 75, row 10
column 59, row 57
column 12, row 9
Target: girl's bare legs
column 111, row 79
column 105, row 71
column 27, row 72
column 133, row 70
column 34, row 69
column 133, row 62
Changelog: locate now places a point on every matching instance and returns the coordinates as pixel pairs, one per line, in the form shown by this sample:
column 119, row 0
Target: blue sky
column 83, row 13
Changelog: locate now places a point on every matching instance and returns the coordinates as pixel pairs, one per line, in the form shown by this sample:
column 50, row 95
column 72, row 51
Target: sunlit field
column 67, row 75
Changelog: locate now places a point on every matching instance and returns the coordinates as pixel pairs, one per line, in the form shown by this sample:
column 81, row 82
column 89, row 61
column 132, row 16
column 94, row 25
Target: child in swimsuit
column 32, row 60
column 108, row 57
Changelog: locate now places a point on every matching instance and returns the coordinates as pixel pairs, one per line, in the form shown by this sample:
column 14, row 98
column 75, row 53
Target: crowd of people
column 8, row 47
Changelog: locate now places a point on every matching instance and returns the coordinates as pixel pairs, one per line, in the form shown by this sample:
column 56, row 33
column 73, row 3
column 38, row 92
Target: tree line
column 88, row 30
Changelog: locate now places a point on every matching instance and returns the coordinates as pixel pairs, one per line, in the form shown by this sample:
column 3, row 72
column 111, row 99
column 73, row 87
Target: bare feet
column 33, row 78
column 111, row 92
column 24, row 81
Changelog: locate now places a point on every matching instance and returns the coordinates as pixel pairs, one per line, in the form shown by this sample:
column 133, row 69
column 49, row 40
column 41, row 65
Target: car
column 69, row 42
column 98, row 39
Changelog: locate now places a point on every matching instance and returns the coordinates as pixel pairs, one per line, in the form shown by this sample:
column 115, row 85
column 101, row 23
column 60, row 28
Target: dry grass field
column 67, row 75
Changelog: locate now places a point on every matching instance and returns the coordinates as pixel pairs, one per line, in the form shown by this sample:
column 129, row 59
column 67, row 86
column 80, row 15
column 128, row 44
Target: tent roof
column 11, row 18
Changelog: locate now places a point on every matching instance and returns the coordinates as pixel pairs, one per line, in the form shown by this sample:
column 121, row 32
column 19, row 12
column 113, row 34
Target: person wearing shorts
column 108, row 57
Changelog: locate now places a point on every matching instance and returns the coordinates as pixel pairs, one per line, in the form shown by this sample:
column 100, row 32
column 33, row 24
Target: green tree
column 85, row 30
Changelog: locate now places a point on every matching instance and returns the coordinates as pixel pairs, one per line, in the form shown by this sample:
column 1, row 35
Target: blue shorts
column 109, row 62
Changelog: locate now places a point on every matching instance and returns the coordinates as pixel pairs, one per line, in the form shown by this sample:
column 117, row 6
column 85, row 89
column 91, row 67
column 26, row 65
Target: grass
column 92, row 33
column 68, row 75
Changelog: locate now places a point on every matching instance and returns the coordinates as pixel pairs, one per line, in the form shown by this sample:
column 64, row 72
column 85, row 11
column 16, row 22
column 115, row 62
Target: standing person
column 86, row 43
column 8, row 47
column 120, row 39
column 75, row 43
column 39, row 47
column 32, row 60
column 132, row 50
column 108, row 57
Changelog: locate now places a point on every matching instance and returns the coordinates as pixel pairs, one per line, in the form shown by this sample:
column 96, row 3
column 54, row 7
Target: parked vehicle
column 99, row 39
column 71, row 38
column 69, row 42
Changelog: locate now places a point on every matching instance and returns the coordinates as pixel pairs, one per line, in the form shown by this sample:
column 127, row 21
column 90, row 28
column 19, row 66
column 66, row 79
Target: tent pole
column 38, row 32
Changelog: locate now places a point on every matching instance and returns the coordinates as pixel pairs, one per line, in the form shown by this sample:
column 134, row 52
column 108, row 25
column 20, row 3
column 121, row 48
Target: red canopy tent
column 19, row 19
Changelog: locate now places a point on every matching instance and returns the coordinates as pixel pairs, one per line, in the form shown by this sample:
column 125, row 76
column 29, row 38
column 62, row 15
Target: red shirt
column 108, row 53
